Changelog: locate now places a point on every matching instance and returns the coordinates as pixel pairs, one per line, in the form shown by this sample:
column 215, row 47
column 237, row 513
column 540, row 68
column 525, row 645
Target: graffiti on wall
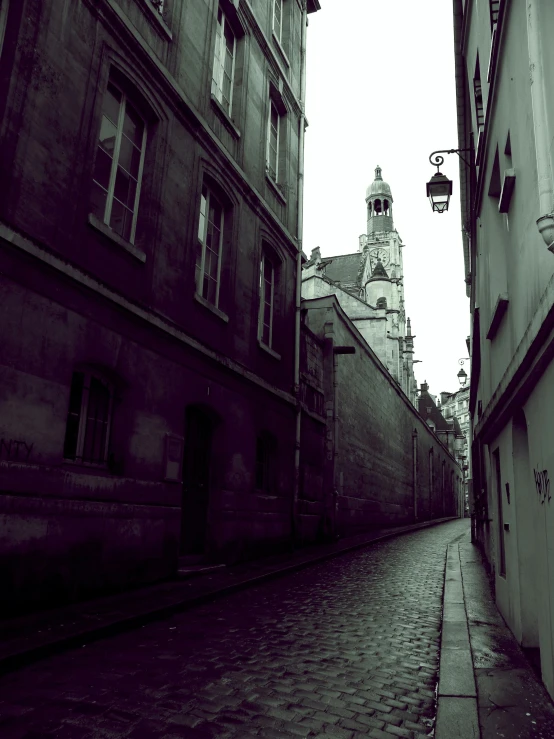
column 542, row 483
column 15, row 450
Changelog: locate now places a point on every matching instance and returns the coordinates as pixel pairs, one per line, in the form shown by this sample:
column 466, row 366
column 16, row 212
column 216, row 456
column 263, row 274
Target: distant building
column 151, row 170
column 455, row 408
column 505, row 110
column 446, row 428
column 369, row 285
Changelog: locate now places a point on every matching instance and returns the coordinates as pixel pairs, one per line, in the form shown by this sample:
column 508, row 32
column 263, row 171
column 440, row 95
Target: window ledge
column 275, row 188
column 498, row 313
column 108, row 233
column 280, row 49
column 156, row 19
column 268, row 349
column 219, row 313
column 100, row 466
column 225, row 117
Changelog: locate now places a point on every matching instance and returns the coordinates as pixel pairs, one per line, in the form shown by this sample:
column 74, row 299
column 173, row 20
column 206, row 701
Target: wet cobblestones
column 344, row 649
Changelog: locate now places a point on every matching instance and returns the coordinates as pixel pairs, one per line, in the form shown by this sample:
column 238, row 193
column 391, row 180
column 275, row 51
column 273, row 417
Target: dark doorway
column 197, row 462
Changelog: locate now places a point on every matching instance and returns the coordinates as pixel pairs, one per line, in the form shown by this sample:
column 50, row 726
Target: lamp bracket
column 439, row 160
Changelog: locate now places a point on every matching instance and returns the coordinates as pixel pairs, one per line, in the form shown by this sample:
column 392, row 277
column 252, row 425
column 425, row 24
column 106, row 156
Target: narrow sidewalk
column 487, row 687
column 37, row 635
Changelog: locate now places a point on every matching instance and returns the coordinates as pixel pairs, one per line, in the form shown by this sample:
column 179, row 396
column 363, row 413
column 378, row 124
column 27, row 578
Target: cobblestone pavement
column 345, row 648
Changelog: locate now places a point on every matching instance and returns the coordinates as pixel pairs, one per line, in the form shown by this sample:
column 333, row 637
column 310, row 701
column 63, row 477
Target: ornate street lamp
column 439, row 187
column 462, row 374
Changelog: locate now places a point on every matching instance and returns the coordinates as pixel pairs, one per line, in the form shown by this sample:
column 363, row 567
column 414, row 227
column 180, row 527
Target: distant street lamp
column 439, row 187
column 462, row 374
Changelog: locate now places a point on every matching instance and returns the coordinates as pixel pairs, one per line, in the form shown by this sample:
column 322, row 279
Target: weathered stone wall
column 377, row 426
column 72, row 294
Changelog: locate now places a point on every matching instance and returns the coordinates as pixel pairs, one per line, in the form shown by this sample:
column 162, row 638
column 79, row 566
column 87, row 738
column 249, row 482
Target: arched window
column 267, row 298
column 210, row 244
column 224, row 62
column 119, row 161
column 381, row 303
column 369, row 208
column 378, row 208
column 386, row 207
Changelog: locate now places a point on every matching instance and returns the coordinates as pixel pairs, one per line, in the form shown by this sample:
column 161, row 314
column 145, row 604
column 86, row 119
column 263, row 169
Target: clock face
column 381, row 254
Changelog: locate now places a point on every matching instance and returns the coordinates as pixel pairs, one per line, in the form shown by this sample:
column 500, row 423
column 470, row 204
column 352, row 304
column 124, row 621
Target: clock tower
column 382, row 276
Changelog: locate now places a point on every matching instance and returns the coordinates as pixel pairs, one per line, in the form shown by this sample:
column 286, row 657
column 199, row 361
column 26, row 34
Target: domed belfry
column 369, row 285
column 378, row 198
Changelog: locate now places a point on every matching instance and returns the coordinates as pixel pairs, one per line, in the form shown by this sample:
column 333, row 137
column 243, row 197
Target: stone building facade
column 382, row 464
column 369, row 285
column 151, row 169
column 504, row 53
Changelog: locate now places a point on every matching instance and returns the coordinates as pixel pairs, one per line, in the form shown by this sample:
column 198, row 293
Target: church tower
column 369, row 285
column 383, row 279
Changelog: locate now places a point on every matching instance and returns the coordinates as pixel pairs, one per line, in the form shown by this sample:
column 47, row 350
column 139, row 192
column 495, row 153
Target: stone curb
column 457, row 716
column 24, row 656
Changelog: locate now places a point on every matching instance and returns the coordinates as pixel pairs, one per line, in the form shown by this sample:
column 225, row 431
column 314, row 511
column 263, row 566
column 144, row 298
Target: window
column 267, row 296
column 224, row 62
column 88, row 419
column 494, row 6
column 210, row 240
column 478, row 96
column 273, row 141
column 3, row 20
column 119, row 162
column 278, row 19
column 266, row 453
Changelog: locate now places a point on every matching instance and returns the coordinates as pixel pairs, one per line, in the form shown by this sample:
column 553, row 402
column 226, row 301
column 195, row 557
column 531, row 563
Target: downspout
column 299, row 230
column 545, row 223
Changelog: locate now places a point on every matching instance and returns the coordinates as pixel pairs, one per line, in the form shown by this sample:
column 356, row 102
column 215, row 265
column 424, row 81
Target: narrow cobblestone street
column 345, row 648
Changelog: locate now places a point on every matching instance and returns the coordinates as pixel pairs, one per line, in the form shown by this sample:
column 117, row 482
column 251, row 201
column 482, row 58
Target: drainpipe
column 545, row 223
column 299, row 230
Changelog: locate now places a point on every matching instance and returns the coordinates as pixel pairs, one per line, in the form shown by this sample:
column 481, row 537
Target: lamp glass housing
column 462, row 377
column 439, row 190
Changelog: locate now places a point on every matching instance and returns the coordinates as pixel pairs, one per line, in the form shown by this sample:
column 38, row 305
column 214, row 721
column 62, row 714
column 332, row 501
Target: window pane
column 112, row 100
column 121, row 219
column 98, row 201
column 125, row 188
column 129, row 157
column 96, row 422
column 73, row 416
column 133, row 126
column 211, row 290
column 210, row 267
column 102, row 168
column 107, row 135
column 202, row 221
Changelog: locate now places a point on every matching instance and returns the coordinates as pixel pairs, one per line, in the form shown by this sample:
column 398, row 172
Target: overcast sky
column 380, row 90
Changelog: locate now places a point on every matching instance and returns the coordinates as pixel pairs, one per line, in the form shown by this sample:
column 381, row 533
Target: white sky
column 380, row 90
